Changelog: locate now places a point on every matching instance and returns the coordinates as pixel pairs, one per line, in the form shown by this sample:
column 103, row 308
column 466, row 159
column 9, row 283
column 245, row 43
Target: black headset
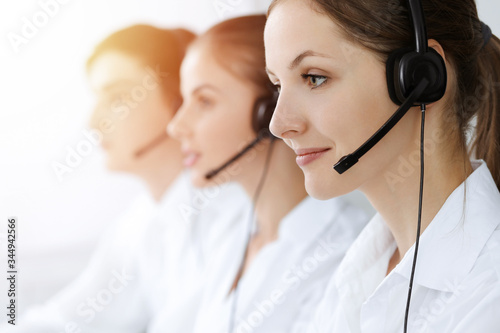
column 408, row 66
column 415, row 76
column 263, row 112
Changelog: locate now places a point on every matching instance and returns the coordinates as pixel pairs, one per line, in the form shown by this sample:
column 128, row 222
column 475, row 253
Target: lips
column 306, row 156
column 190, row 158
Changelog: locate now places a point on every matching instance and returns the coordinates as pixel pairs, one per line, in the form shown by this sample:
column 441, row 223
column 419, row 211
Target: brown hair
column 161, row 49
column 238, row 46
column 382, row 26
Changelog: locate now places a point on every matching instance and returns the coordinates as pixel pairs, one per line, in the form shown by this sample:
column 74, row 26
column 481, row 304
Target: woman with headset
column 343, row 67
column 147, row 262
column 135, row 73
column 270, row 278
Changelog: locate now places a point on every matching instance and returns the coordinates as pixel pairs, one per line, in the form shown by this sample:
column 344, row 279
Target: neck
column 161, row 167
column 397, row 200
column 282, row 191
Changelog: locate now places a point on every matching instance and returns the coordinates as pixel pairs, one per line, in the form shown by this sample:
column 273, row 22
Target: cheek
column 350, row 115
column 219, row 138
column 129, row 130
column 353, row 112
column 325, row 183
column 149, row 118
column 153, row 113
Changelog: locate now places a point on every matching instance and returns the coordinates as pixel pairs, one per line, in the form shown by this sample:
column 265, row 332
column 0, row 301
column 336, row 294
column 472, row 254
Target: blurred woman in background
column 151, row 257
column 271, row 278
column 135, row 76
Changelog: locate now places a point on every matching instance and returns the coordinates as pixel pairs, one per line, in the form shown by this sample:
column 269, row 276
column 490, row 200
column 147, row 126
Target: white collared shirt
column 284, row 283
column 183, row 255
column 457, row 280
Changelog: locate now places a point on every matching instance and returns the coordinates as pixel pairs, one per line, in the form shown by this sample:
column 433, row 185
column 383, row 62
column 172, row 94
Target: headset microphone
column 151, row 144
column 407, row 69
column 261, row 117
column 346, row 162
column 414, row 76
column 236, row 157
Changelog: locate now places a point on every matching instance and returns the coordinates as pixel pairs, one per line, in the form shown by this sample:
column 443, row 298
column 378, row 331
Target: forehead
column 202, row 67
column 115, row 67
column 294, row 27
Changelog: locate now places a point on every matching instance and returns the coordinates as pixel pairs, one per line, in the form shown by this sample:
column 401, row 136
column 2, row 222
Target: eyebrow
column 304, row 55
column 204, row 86
column 299, row 58
column 121, row 83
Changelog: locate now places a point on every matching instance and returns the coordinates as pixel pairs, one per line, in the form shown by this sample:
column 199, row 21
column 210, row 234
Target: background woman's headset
column 262, row 113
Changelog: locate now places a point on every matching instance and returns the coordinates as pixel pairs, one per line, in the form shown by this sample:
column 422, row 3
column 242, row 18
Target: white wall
column 45, row 104
column 489, row 12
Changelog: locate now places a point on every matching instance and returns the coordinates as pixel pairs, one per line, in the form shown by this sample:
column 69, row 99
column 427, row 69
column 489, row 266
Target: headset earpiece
column 261, row 118
column 405, row 69
column 263, row 112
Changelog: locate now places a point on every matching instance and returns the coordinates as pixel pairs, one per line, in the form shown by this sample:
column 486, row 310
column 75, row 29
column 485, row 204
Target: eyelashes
column 203, row 102
column 314, row 81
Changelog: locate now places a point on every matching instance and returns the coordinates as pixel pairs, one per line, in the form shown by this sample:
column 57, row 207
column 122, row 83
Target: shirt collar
column 456, row 236
column 374, row 245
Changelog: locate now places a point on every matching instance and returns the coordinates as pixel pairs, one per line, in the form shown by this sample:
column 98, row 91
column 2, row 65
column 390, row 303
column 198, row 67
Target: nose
column 178, row 127
column 287, row 122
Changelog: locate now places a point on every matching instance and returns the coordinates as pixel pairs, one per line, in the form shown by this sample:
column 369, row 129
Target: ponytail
column 486, row 143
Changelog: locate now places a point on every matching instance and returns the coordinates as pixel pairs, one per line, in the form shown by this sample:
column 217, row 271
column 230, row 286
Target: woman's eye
column 204, row 101
column 314, row 81
column 111, row 101
column 121, row 98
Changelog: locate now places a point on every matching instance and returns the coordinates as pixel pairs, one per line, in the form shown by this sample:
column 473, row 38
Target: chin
column 315, row 187
column 120, row 164
column 198, row 174
column 317, row 191
column 323, row 187
column 197, row 179
column 111, row 165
